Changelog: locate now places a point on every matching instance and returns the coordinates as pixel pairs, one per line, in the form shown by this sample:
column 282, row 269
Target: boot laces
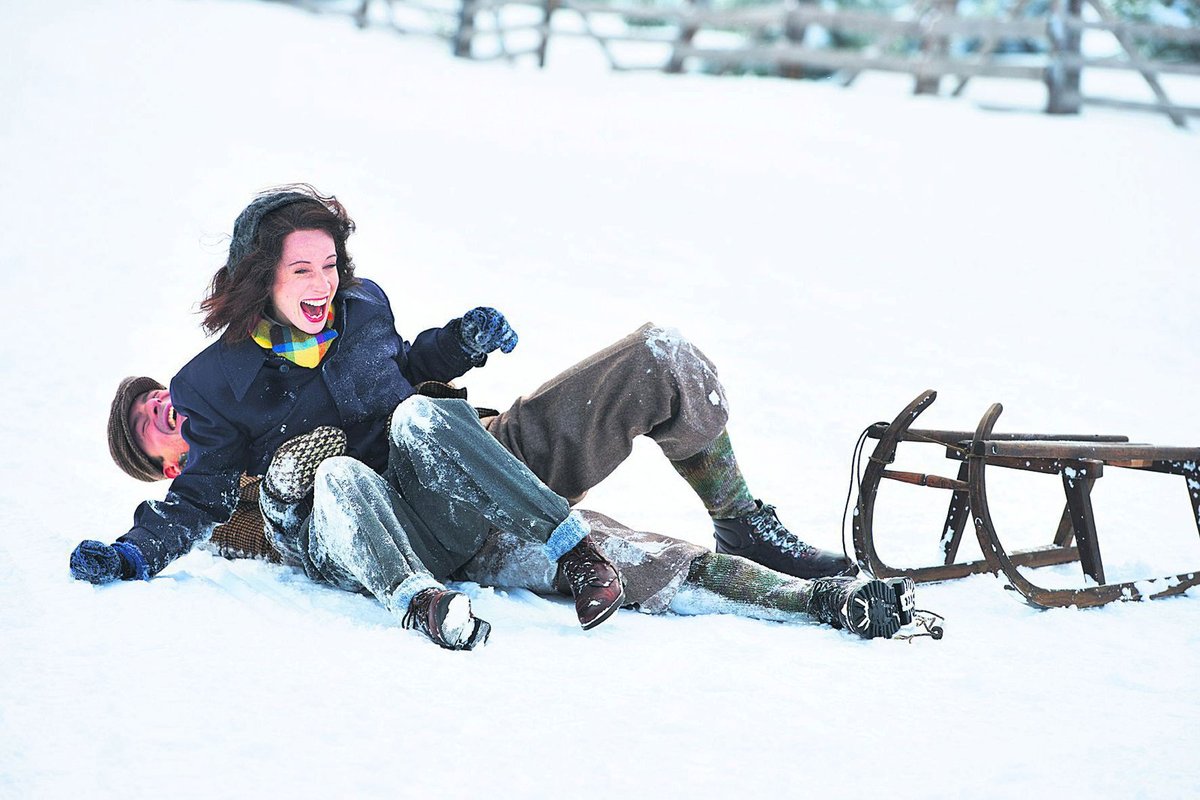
column 765, row 522
column 826, row 600
column 581, row 572
column 417, row 615
column 582, row 568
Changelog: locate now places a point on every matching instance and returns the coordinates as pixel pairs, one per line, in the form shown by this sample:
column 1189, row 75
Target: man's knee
column 683, row 363
column 673, row 350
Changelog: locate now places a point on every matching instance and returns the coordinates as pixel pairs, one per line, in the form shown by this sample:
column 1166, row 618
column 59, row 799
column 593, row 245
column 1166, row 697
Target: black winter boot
column 761, row 537
column 867, row 607
column 445, row 617
column 294, row 465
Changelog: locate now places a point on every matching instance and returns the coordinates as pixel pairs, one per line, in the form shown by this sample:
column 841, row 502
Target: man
column 572, row 433
column 660, row 572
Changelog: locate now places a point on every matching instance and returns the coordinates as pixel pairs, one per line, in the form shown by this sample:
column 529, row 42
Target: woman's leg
column 347, row 527
column 361, row 525
column 461, row 483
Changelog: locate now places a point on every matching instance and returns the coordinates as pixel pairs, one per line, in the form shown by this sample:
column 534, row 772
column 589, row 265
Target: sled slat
column 921, row 479
column 1103, row 451
column 947, row 437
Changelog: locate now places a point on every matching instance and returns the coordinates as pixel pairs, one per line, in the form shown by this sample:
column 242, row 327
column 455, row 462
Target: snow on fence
column 1035, row 40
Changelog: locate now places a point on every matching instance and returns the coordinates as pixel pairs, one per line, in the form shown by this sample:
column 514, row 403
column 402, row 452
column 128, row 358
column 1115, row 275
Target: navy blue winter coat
column 243, row 402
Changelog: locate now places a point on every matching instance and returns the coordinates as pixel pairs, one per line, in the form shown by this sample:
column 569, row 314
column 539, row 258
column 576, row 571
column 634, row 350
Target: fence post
column 1063, row 73
column 466, row 29
column 793, row 31
column 935, row 47
column 688, row 28
column 551, row 6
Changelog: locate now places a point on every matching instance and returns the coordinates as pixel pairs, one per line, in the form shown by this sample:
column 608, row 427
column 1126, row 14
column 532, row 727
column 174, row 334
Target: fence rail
column 930, row 40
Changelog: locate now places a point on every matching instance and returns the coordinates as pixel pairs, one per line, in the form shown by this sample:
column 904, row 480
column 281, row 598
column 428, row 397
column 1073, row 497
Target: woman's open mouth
column 314, row 310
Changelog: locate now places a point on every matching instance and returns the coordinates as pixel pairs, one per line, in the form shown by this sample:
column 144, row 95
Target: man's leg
column 652, row 565
column 662, row 573
column 461, row 483
column 723, row 584
column 577, row 428
column 574, row 430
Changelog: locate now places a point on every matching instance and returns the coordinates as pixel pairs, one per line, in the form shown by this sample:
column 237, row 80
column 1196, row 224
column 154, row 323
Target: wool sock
column 714, row 475
column 721, row 584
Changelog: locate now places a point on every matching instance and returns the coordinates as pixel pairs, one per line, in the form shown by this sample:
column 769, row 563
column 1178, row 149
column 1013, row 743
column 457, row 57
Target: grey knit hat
column 245, row 228
column 121, row 445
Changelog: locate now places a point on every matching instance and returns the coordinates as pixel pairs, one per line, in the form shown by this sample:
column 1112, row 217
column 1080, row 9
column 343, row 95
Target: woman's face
column 306, row 279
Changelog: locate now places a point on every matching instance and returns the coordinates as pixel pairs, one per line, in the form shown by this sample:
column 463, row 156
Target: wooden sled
column 1079, row 460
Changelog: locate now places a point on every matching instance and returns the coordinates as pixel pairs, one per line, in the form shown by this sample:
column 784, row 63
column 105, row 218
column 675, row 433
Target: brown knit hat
column 121, row 445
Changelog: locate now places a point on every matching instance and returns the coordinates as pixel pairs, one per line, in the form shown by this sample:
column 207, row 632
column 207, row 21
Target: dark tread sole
column 872, row 611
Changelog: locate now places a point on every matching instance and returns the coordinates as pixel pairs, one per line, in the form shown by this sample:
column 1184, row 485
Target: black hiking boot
column 294, row 465
column 445, row 617
column 595, row 583
column 865, row 606
column 761, row 537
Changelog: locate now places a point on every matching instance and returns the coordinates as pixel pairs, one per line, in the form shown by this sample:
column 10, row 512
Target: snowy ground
column 835, row 252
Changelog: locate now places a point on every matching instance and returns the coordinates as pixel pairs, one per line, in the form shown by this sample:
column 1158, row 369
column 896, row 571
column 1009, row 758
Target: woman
column 307, row 346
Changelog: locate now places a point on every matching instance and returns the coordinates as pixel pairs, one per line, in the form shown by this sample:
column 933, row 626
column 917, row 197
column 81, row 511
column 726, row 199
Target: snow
column 834, row 252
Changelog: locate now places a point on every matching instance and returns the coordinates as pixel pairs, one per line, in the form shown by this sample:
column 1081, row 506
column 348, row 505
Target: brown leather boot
column 594, row 581
column 445, row 617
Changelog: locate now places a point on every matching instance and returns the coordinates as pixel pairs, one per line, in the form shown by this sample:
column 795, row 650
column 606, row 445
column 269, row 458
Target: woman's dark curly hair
column 240, row 292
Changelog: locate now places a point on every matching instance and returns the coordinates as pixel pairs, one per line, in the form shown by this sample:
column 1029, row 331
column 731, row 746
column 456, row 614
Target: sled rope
column 926, row 622
column 855, row 482
column 856, row 471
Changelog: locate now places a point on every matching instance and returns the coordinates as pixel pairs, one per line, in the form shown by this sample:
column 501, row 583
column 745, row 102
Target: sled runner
column 1079, row 460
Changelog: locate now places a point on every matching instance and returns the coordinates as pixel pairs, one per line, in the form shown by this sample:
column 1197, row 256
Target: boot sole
column 905, row 591
column 442, row 609
column 872, row 611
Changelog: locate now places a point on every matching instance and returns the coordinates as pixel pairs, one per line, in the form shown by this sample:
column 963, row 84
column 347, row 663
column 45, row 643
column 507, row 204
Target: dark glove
column 483, row 330
column 97, row 562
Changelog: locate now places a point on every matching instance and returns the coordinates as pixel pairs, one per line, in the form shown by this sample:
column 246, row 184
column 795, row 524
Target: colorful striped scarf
column 302, row 349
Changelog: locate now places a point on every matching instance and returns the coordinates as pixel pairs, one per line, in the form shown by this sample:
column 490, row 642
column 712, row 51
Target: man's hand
column 484, row 330
column 97, row 562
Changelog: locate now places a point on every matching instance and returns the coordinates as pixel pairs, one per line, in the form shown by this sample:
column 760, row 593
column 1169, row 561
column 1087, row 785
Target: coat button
column 283, row 368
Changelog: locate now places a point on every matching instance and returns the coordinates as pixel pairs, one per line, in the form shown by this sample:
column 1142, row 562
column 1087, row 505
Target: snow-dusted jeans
column 447, row 484
column 575, row 429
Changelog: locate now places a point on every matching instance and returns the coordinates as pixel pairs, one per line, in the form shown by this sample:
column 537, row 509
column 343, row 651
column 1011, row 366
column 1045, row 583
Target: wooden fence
column 931, row 40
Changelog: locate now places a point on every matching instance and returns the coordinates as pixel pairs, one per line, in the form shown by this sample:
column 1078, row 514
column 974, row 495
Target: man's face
column 155, row 425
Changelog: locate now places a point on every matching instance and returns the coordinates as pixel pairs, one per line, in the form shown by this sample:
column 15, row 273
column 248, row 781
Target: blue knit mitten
column 96, row 562
column 483, row 330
